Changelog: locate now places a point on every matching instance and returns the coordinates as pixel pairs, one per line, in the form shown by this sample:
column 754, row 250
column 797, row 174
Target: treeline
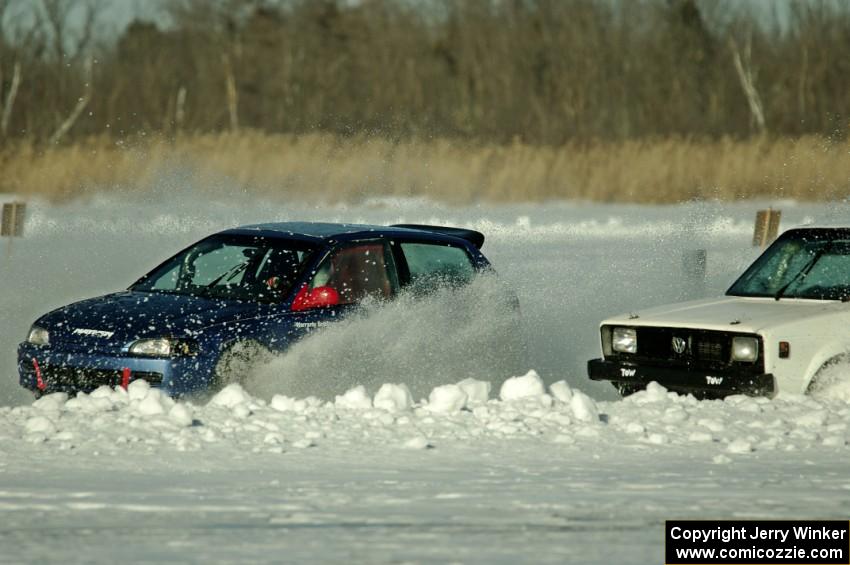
column 537, row 71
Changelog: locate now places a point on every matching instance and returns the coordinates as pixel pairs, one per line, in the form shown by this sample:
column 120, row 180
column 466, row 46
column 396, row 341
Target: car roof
column 320, row 232
column 816, row 229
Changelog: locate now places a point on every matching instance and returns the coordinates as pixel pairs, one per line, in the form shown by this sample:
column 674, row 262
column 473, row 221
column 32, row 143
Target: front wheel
column 238, row 362
column 831, row 376
column 628, row 389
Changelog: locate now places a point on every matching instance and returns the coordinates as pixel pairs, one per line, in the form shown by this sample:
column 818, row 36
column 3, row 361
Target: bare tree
column 4, row 7
column 180, row 110
column 9, row 103
column 75, row 114
column 57, row 18
column 539, row 71
column 232, row 93
column 744, row 68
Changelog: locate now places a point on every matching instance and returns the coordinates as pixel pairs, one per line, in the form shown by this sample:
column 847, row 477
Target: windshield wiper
column 804, row 271
column 228, row 274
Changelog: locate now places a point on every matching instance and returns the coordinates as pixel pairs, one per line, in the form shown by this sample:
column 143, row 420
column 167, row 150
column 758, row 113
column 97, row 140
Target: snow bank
column 108, row 420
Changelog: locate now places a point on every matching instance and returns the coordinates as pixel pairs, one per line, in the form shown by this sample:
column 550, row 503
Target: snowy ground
column 526, row 472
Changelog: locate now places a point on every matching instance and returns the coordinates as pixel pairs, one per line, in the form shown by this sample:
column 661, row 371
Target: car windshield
column 814, row 265
column 233, row 267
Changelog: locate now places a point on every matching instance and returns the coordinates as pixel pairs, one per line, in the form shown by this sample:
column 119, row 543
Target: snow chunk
column 584, row 408
column 282, row 403
column 51, row 402
column 739, row 446
column 477, row 392
column 674, row 415
column 529, row 384
column 654, row 393
column 813, row 419
column 155, row 403
column 138, row 390
column 151, row 406
column 713, row 425
column 447, row 399
column 393, row 398
column 180, row 415
column 562, row 391
column 40, row 424
column 657, row 439
column 354, row 399
column 102, row 391
column 700, row 437
column 634, row 428
column 419, row 442
column 230, row 396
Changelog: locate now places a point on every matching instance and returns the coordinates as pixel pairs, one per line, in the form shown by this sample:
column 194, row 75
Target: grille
column 712, row 348
column 76, row 378
column 699, row 349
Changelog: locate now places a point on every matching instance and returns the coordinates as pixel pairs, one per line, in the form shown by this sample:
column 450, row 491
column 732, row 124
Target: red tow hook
column 39, row 382
column 125, row 378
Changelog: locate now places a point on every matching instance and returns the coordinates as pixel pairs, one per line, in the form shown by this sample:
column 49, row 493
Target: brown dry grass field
column 326, row 168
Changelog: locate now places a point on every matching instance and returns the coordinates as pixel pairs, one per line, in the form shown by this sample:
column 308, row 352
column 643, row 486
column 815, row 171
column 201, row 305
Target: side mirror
column 319, row 297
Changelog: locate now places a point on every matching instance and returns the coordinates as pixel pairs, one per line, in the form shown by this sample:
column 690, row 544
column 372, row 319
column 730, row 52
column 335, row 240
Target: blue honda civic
column 188, row 323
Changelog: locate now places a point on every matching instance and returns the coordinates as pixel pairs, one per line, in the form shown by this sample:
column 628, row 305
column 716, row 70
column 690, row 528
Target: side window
column 279, row 268
column 357, row 271
column 431, row 265
column 169, row 280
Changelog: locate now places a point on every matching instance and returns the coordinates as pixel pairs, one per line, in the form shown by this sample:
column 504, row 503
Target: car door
column 350, row 274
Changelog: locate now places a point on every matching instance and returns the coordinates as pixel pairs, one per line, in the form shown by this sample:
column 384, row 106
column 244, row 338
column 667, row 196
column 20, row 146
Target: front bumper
column 62, row 371
column 698, row 382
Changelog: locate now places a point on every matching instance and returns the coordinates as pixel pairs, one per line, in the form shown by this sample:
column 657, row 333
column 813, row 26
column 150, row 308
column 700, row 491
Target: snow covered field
column 531, row 471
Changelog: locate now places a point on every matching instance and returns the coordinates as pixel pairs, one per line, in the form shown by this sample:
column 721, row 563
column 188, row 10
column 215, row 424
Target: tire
column 627, row 389
column 238, row 362
column 822, row 376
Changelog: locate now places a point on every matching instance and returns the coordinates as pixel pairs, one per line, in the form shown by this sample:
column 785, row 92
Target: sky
column 117, row 14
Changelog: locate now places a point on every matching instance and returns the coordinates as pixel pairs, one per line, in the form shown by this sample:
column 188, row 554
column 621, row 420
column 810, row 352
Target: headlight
column 745, row 349
column 163, row 347
column 38, row 336
column 624, row 340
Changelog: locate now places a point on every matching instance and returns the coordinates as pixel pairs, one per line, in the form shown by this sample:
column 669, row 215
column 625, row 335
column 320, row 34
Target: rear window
column 433, row 265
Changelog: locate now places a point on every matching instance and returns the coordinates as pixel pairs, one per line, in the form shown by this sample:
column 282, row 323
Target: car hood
column 731, row 313
column 126, row 316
